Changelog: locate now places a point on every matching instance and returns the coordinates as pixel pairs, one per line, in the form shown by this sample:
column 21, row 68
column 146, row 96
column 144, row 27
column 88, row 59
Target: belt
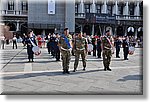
column 107, row 48
column 80, row 49
column 65, row 49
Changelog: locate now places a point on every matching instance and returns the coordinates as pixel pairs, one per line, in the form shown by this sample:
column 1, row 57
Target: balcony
column 80, row 15
column 129, row 17
column 117, row 17
column 13, row 13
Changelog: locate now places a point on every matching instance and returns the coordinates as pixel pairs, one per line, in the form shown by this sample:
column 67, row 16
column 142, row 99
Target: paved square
column 44, row 76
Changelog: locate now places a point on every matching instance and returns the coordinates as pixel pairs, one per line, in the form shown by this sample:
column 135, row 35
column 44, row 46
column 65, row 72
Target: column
column 136, row 31
column 126, row 29
column 127, row 8
column 81, row 7
column 104, row 10
column 93, row 7
column 81, row 28
column 137, row 10
column 93, row 29
column 104, row 30
column 100, row 29
column 17, row 26
column 43, row 32
column 17, row 6
column 116, row 8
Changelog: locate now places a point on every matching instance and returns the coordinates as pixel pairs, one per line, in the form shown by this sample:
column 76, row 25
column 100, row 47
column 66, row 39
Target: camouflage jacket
column 107, row 42
column 62, row 41
column 80, row 43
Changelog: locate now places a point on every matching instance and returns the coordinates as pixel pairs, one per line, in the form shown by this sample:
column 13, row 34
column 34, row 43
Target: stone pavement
column 44, row 76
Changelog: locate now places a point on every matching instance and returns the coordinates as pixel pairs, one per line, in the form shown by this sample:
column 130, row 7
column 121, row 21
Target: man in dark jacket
column 118, row 46
column 126, row 47
column 30, row 41
column 99, row 50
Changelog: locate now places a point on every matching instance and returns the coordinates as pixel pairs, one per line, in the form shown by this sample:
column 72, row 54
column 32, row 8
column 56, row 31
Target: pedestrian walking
column 125, row 47
column 80, row 48
column 65, row 46
column 14, row 41
column 107, row 46
column 29, row 44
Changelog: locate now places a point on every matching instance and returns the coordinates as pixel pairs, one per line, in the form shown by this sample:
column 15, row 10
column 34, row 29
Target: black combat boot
column 105, row 69
column 64, row 71
column 84, row 69
column 108, row 69
column 67, row 72
column 32, row 60
column 74, row 70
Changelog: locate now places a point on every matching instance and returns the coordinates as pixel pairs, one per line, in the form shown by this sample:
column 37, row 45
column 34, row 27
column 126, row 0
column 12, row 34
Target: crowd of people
column 77, row 44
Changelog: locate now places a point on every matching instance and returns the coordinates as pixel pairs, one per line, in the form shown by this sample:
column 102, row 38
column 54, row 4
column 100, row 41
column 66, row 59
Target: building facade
column 121, row 17
column 21, row 15
column 14, row 13
column 93, row 17
column 44, row 22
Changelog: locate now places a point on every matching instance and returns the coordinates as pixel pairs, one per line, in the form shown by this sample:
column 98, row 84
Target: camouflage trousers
column 106, row 58
column 77, row 56
column 66, row 57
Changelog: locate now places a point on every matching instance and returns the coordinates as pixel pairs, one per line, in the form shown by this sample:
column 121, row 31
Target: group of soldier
column 79, row 45
column 66, row 44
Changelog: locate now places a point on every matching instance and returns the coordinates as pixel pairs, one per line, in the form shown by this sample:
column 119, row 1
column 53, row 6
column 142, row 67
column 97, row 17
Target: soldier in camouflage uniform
column 107, row 46
column 65, row 48
column 80, row 48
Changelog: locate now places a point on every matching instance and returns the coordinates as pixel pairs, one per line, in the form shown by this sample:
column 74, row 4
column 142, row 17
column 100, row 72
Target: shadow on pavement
column 57, row 73
column 54, row 60
column 131, row 77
